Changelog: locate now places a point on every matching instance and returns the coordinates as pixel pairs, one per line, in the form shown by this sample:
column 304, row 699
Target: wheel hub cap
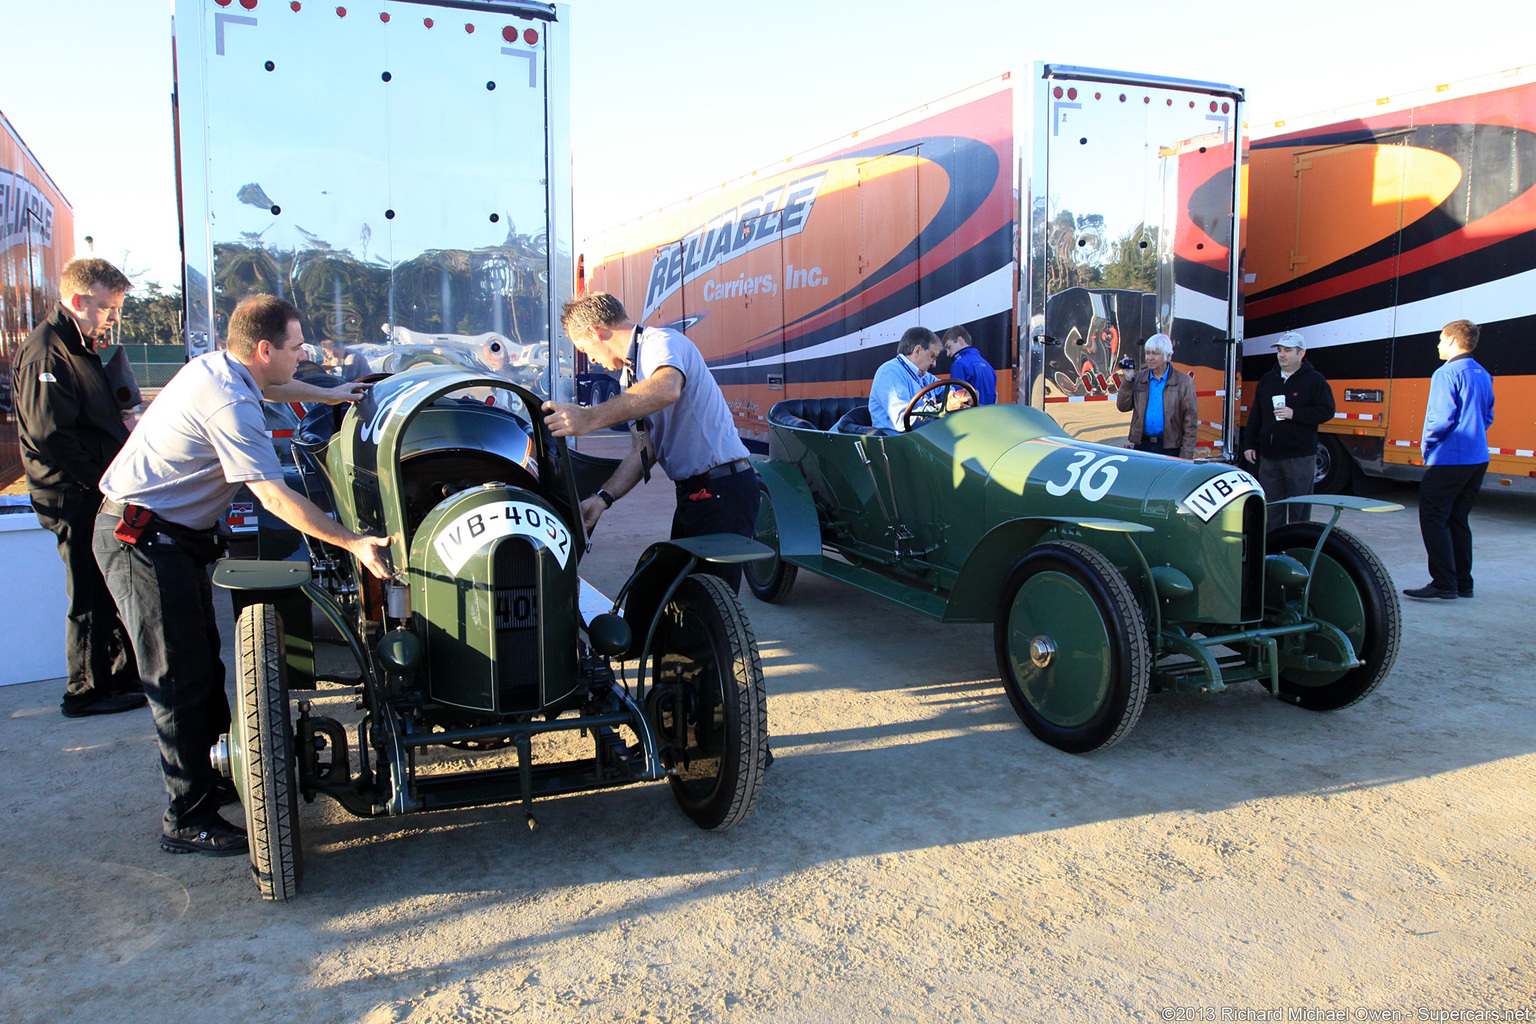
column 1041, row 650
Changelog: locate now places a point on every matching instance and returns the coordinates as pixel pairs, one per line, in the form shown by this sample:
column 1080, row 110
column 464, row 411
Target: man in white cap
column 1290, row 403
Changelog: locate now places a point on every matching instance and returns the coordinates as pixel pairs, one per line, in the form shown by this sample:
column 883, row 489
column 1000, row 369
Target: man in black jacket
column 71, row 428
column 1290, row 403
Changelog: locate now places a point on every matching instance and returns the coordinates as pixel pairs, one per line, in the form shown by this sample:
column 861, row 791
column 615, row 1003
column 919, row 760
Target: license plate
column 470, row 531
column 1219, row 492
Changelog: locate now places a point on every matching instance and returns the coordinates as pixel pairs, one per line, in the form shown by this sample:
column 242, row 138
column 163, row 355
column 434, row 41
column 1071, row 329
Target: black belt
column 115, row 508
column 716, row 472
column 1156, row 439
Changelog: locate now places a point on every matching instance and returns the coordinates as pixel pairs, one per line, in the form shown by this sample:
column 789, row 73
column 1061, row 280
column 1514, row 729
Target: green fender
column 981, row 578
column 661, row 568
column 793, row 509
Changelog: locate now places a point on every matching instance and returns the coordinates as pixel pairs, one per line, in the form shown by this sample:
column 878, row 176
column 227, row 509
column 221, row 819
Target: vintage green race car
column 1107, row 573
column 487, row 647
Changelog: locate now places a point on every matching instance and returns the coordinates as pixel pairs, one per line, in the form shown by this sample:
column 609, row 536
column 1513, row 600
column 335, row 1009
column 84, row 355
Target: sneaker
column 217, row 838
column 108, row 704
column 1430, row 592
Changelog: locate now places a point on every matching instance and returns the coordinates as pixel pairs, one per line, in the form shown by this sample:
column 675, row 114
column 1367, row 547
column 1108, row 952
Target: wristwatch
column 608, row 499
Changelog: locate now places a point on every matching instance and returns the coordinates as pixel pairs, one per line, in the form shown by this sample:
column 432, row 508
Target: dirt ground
column 916, row 855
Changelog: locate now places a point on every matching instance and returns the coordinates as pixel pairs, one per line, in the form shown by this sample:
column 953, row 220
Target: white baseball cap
column 1290, row 339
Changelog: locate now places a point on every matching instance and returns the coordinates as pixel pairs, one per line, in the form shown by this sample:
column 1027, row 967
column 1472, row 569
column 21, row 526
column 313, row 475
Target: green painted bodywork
column 944, row 512
column 937, row 518
column 481, row 508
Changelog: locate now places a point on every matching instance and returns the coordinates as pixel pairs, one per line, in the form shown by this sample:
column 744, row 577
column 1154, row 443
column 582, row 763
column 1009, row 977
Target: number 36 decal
column 1090, row 472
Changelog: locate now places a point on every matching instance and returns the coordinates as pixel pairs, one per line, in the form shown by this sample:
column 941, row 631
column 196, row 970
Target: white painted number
column 1095, row 474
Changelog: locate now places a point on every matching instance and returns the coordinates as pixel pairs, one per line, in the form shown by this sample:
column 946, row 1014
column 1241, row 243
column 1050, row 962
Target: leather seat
column 813, row 413
column 857, row 421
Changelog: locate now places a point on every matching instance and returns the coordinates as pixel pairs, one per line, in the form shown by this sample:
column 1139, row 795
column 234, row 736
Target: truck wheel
column 769, row 579
column 1071, row 647
column 268, row 767
column 1353, row 591
column 709, row 706
column 1335, row 467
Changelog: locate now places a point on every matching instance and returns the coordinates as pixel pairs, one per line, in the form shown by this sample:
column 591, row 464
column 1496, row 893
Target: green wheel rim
column 1334, row 598
column 1073, row 684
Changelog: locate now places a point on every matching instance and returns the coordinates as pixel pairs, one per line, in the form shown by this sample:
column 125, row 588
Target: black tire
column 1092, row 687
column 708, row 705
column 1353, row 591
column 271, row 793
column 1335, row 473
column 769, row 579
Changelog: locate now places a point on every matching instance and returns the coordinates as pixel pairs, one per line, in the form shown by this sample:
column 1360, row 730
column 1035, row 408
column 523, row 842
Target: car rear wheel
column 1071, row 647
column 267, row 766
column 769, row 579
column 1335, row 473
column 708, row 704
column 1351, row 590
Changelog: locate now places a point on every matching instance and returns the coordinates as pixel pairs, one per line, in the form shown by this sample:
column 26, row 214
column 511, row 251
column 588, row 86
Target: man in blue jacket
column 970, row 365
column 1455, row 447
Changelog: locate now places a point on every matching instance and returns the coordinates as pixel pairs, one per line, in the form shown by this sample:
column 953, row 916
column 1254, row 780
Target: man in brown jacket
column 1164, row 420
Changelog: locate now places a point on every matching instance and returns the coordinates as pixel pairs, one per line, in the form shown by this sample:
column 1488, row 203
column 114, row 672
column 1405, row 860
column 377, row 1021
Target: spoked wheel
column 1071, row 647
column 708, row 706
column 267, row 769
column 770, row 579
column 1353, row 591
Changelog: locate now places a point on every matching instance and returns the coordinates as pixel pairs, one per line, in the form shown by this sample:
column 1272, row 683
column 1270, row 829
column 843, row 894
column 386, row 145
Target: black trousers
column 1156, row 446
column 727, row 504
column 1287, row 478
column 97, row 651
column 1446, row 497
column 167, row 603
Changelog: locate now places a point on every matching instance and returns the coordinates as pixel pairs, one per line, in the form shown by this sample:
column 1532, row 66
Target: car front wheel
column 1071, row 647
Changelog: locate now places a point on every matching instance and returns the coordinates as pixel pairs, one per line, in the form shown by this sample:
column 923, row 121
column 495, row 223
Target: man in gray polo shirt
column 157, row 533
column 688, row 429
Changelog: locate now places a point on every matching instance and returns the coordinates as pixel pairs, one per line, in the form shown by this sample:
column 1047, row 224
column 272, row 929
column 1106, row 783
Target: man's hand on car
column 373, row 552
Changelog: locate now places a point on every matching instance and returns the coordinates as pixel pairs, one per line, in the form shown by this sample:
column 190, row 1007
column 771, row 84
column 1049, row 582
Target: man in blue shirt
column 1455, row 447
column 898, row 380
column 1161, row 400
column 969, row 365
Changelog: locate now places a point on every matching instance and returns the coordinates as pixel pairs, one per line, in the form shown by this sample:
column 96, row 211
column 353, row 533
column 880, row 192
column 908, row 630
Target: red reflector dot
column 530, row 36
column 509, row 34
column 1071, row 94
column 1223, row 108
column 295, row 5
column 222, row 3
column 1191, row 104
column 384, row 17
column 427, row 22
column 249, row 5
column 1058, row 92
column 1098, row 95
column 1213, row 106
column 469, row 28
column 341, row 12
column 1170, row 103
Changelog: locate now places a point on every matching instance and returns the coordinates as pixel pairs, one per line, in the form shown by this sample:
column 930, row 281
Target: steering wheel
column 912, row 411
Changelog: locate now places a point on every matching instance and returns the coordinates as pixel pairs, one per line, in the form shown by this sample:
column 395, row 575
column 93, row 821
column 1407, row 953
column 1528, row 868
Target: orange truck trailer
column 1062, row 216
column 1368, row 230
column 37, row 237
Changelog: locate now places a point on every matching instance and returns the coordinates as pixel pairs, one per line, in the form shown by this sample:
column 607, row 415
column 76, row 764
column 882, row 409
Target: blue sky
column 671, row 97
